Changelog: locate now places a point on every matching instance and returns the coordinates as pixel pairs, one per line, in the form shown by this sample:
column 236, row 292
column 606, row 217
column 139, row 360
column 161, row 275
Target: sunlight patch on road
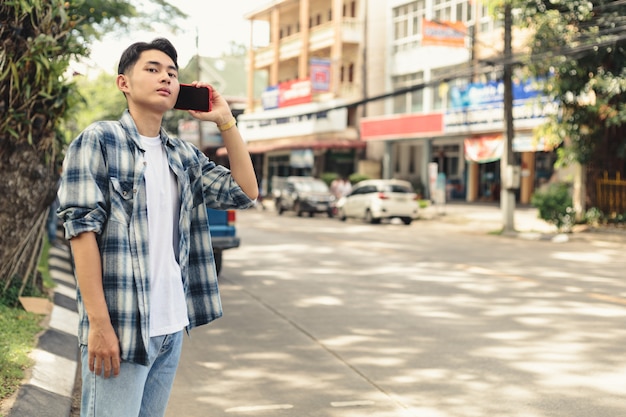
column 252, row 408
column 215, row 366
column 346, row 340
column 356, row 403
column 319, row 301
column 442, row 315
column 378, row 361
column 509, row 335
column 591, row 311
column 563, row 375
column 609, row 298
column 585, row 257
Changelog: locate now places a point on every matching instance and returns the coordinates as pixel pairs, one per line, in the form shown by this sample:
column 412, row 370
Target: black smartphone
column 193, row 98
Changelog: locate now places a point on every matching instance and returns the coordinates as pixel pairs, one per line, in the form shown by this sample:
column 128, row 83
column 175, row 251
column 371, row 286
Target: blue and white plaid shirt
column 103, row 191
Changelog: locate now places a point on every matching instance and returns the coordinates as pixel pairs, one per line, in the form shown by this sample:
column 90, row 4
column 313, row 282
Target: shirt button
column 124, row 193
column 134, row 190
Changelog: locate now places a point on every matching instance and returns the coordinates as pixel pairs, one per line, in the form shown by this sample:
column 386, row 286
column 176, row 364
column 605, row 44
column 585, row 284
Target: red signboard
column 294, row 92
column 402, row 126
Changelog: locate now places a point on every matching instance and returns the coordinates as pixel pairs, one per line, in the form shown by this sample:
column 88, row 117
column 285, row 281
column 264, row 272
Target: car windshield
column 397, row 188
column 312, row 186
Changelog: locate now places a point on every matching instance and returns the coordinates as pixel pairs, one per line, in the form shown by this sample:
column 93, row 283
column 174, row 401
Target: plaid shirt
column 103, row 191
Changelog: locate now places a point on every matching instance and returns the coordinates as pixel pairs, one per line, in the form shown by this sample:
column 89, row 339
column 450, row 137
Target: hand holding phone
column 194, row 98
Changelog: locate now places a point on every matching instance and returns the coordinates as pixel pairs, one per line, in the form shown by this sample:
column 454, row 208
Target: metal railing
column 611, row 194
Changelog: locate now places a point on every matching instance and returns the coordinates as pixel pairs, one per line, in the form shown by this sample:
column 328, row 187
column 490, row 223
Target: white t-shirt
column 168, row 307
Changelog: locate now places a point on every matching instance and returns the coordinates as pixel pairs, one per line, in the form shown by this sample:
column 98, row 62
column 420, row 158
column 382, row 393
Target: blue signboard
column 270, row 98
column 320, row 74
column 480, row 94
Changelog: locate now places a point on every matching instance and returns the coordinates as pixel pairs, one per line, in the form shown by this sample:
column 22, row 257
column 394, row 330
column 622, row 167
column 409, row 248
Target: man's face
column 152, row 83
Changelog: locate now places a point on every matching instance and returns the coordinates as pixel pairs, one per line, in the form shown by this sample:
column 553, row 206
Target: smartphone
column 193, row 98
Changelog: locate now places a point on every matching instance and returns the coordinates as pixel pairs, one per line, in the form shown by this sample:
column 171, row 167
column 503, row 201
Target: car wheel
column 279, row 207
column 296, row 208
column 369, row 218
column 311, row 213
column 407, row 220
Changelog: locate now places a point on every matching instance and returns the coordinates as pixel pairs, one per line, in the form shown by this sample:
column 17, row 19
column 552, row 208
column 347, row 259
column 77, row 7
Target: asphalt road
column 331, row 319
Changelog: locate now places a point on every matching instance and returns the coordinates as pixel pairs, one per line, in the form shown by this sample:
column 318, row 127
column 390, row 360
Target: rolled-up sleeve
column 84, row 185
column 218, row 187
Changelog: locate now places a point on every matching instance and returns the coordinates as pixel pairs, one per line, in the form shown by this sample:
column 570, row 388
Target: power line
column 496, row 65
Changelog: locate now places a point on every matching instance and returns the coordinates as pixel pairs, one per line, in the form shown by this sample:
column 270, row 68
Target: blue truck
column 223, row 233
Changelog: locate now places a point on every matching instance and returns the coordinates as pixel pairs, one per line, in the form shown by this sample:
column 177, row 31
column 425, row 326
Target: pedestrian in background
column 345, row 187
column 133, row 202
column 336, row 187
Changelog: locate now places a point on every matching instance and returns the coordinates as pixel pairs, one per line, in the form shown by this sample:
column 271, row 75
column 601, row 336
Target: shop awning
column 489, row 148
column 483, row 149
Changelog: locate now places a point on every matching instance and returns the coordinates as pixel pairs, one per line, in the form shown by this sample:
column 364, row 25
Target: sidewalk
column 48, row 392
column 488, row 218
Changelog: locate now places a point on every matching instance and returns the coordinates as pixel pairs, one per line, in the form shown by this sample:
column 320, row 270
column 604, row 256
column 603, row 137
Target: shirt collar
column 130, row 127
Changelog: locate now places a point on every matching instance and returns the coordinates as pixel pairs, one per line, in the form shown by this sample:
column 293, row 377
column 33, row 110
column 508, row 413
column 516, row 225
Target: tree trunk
column 579, row 192
column 27, row 188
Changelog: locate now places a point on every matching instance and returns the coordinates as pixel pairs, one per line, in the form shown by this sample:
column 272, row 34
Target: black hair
column 131, row 55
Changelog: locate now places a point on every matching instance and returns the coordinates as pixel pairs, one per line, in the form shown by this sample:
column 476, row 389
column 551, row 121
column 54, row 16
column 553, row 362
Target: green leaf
column 13, row 133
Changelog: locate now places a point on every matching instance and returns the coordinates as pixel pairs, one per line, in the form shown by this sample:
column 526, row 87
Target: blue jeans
column 138, row 390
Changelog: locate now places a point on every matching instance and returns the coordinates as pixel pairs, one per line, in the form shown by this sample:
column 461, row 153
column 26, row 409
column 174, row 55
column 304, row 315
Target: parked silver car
column 374, row 200
column 303, row 195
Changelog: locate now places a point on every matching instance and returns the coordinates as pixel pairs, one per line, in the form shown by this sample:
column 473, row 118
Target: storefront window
column 448, row 160
column 489, row 181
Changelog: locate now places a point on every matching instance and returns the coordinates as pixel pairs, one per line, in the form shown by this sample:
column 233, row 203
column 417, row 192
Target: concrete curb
column 48, row 393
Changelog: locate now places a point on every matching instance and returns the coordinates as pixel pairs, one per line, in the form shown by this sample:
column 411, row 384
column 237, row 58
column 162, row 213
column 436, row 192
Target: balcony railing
column 320, row 37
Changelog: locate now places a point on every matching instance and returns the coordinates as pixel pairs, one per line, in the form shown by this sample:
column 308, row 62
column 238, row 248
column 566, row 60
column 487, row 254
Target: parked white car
column 374, row 200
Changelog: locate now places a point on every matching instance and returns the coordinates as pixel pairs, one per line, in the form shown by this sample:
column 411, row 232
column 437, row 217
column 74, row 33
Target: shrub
column 329, row 177
column 594, row 216
column 555, row 205
column 356, row 177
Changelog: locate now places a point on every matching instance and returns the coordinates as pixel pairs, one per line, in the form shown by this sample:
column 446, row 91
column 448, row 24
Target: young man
column 133, row 201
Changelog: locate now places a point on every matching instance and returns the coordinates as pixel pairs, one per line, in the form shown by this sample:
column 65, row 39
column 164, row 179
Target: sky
column 217, row 22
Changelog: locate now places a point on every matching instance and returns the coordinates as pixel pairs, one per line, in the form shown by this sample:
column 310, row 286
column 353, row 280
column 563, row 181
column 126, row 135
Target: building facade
column 451, row 124
column 305, row 122
column 395, row 88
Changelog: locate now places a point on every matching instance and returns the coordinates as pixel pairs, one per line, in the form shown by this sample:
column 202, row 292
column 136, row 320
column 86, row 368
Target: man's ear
column 122, row 82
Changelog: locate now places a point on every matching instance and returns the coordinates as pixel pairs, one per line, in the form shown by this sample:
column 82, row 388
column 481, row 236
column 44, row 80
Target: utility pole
column 509, row 174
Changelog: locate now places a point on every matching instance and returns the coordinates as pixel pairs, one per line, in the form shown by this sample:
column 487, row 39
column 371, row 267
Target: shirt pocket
column 122, row 193
column 193, row 175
